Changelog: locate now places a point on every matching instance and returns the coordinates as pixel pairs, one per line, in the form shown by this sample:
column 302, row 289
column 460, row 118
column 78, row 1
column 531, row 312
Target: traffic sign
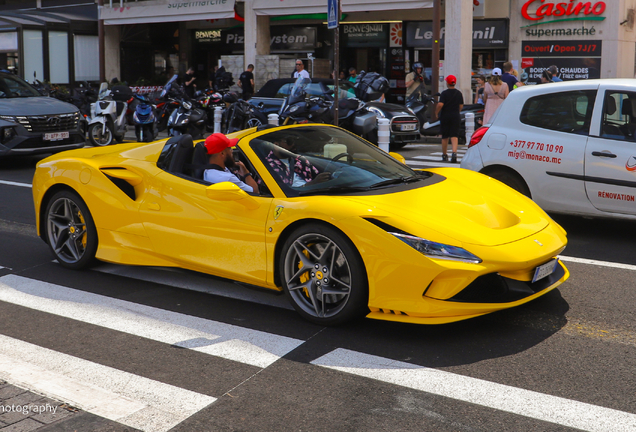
column 332, row 14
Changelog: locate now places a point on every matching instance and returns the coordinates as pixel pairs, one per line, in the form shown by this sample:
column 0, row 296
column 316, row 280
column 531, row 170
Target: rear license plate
column 408, row 127
column 545, row 270
column 56, row 136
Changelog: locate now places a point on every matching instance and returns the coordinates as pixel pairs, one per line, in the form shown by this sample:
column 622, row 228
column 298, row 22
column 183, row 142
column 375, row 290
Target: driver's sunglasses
column 299, row 64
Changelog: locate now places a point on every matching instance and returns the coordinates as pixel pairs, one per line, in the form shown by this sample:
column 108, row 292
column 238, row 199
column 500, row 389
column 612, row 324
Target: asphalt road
column 123, row 348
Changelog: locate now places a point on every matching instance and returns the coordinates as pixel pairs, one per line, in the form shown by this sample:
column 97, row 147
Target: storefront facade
column 584, row 39
column 55, row 42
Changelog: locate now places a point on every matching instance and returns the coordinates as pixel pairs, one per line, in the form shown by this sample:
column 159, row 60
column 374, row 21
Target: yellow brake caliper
column 81, row 218
column 305, row 276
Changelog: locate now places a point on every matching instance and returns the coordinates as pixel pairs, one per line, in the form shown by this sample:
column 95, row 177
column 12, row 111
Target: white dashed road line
column 120, row 396
column 218, row 339
column 501, row 397
column 597, row 263
column 10, row 183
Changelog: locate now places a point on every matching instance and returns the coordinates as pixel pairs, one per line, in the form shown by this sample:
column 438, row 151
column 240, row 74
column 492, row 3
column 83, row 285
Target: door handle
column 604, row 154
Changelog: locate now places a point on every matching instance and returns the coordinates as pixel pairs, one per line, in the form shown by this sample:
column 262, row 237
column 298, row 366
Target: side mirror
column 397, row 156
column 228, row 191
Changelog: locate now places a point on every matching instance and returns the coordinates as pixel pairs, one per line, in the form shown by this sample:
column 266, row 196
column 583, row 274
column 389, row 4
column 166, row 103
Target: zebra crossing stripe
column 120, row 396
column 501, row 397
column 218, row 339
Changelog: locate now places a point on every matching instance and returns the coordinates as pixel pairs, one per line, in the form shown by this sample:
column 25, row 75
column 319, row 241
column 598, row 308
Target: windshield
column 168, row 85
column 298, row 90
column 319, row 160
column 15, row 87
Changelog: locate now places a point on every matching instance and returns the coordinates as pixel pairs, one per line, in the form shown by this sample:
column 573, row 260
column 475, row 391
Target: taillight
column 477, row 136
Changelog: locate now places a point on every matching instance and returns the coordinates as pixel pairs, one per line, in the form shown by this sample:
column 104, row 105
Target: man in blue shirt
column 508, row 78
column 554, row 71
column 219, row 148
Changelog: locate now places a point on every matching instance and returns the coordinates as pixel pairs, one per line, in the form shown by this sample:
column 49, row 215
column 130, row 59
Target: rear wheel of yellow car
column 323, row 275
column 70, row 230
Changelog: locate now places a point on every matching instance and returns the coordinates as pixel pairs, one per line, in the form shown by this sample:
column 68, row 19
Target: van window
column 569, row 112
column 619, row 116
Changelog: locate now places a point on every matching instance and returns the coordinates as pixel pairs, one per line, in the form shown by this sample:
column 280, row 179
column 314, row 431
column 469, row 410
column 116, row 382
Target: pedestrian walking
column 495, row 91
column 546, row 77
column 448, row 109
column 554, row 70
column 188, row 81
column 509, row 78
column 479, row 93
column 353, row 74
column 300, row 70
column 246, row 82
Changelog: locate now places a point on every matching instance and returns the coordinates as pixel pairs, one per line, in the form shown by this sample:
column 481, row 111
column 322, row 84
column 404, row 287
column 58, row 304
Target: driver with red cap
column 219, row 148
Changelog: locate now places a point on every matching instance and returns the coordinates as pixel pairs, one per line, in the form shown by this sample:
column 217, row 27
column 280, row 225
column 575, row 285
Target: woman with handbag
column 495, row 91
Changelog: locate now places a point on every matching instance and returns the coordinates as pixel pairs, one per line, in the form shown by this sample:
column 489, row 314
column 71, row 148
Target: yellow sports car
column 345, row 229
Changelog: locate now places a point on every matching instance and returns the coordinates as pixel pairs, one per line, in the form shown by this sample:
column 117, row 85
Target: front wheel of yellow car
column 323, row 275
column 70, row 230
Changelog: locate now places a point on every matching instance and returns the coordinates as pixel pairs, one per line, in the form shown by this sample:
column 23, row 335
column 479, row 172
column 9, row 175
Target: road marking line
column 227, row 341
column 501, row 397
column 120, row 396
column 597, row 263
column 10, row 183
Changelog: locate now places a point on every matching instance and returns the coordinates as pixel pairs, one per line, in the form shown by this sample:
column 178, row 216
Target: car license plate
column 55, row 136
column 545, row 270
column 408, row 127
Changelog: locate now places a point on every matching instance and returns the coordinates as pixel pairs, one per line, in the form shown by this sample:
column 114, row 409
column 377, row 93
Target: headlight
column 377, row 112
column 294, row 108
column 438, row 250
column 7, row 134
column 187, row 105
column 410, row 110
column 9, row 118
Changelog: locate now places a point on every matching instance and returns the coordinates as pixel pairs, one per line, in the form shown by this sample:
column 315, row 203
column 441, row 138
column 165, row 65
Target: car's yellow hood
column 469, row 207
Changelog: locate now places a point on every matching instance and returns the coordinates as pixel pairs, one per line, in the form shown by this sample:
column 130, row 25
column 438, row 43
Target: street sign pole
column 333, row 18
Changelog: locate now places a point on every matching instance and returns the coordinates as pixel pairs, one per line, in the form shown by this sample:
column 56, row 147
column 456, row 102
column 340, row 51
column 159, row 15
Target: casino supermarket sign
column 571, row 10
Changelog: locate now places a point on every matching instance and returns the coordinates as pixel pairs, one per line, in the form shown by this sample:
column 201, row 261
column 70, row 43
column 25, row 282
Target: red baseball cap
column 217, row 142
column 451, row 80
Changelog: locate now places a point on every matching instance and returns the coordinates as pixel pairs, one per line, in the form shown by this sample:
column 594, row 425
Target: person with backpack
column 448, row 111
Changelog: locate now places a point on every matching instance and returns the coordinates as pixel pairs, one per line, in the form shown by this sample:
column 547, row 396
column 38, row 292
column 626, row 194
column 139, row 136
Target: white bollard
column 218, row 115
column 273, row 119
column 470, row 126
column 384, row 134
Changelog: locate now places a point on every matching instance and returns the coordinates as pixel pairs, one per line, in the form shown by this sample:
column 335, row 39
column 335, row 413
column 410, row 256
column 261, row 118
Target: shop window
column 564, row 112
column 33, row 54
column 86, row 60
column 58, row 57
column 619, row 116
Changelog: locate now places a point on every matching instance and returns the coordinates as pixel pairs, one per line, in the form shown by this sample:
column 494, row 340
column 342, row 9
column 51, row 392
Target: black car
column 31, row 123
column 404, row 124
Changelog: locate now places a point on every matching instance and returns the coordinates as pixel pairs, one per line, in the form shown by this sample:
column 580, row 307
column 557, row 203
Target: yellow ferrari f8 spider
column 343, row 228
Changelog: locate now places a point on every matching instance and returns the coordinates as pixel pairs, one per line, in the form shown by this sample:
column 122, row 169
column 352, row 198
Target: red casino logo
column 630, row 165
column 565, row 10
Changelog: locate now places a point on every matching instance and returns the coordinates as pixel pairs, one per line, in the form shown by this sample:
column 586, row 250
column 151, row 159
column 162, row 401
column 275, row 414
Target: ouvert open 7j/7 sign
column 332, row 14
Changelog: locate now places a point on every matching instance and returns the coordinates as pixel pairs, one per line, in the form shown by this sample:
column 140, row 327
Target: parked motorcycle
column 423, row 106
column 240, row 114
column 145, row 120
column 352, row 112
column 209, row 100
column 108, row 117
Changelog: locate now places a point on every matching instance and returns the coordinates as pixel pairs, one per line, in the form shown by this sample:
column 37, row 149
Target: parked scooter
column 108, row 118
column 145, row 120
column 187, row 119
column 423, row 106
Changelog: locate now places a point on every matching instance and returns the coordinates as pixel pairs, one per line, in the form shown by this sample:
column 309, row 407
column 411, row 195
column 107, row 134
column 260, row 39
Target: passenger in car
column 294, row 170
